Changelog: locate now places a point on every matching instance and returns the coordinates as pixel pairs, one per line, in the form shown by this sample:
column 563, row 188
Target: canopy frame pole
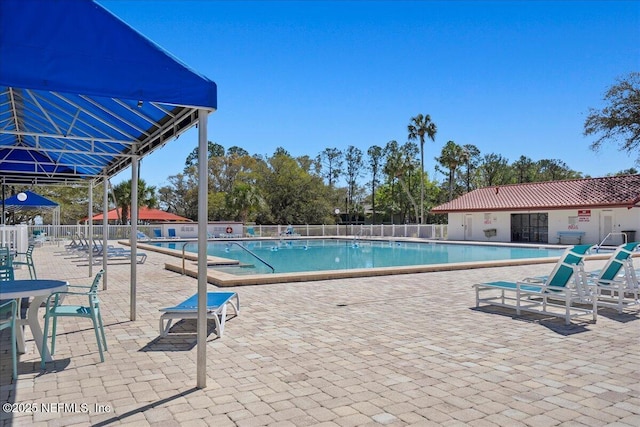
column 203, row 207
column 90, row 229
column 105, row 229
column 133, row 214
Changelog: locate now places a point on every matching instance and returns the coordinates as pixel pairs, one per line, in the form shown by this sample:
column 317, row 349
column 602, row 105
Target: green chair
column 616, row 284
column 8, row 313
column 54, row 309
column 5, row 256
column 6, row 272
column 562, row 293
column 28, row 261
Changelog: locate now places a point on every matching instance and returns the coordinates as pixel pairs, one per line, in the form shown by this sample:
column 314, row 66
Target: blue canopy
column 81, row 92
column 28, row 200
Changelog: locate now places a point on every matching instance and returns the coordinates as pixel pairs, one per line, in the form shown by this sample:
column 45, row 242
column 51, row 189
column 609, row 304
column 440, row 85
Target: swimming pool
column 317, row 255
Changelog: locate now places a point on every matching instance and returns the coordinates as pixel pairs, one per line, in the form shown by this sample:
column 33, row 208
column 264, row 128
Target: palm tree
column 451, row 157
column 243, row 199
column 472, row 156
column 375, row 160
column 398, row 161
column 419, row 127
column 122, row 194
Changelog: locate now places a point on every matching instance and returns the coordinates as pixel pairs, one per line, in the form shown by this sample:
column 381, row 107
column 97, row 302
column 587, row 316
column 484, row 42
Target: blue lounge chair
column 616, row 283
column 217, row 303
column 141, row 236
column 116, row 253
column 290, row 232
column 157, row 233
column 558, row 295
column 172, row 233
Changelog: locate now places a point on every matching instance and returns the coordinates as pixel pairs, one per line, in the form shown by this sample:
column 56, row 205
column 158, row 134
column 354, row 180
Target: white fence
column 116, row 232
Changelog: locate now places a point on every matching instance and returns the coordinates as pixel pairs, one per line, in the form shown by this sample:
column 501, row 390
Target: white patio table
column 39, row 290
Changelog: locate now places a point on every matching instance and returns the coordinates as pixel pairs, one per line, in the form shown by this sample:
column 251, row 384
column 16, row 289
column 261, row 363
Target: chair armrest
column 63, row 294
column 536, row 280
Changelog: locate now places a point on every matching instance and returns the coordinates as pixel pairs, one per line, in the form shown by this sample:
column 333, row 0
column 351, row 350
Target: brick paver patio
column 382, row 351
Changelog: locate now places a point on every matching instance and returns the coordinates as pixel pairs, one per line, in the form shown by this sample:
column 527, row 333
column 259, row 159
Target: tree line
column 383, row 184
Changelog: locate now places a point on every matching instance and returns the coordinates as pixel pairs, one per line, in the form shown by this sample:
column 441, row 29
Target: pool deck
column 402, row 350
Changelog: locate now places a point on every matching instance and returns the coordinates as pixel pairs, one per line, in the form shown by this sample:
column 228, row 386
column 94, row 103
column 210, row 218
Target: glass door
column 530, row 227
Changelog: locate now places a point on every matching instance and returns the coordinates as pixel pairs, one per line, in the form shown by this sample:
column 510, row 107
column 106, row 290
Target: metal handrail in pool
column 273, row 270
column 184, row 268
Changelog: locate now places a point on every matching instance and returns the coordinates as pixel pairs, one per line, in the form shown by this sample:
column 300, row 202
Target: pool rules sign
column 584, row 215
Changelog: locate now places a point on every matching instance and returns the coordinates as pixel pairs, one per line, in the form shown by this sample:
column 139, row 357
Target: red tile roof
column 611, row 191
column 145, row 214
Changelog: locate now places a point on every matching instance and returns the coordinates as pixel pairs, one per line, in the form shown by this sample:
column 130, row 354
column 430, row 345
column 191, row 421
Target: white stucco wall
column 595, row 223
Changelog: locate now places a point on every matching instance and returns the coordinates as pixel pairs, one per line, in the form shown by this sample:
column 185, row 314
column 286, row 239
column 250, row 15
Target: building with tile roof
column 578, row 210
column 145, row 214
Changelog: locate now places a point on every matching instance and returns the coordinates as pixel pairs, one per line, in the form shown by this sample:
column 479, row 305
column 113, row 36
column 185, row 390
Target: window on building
column 530, row 228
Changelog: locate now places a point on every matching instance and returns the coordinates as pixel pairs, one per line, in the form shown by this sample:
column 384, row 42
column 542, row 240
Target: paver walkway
column 391, row 351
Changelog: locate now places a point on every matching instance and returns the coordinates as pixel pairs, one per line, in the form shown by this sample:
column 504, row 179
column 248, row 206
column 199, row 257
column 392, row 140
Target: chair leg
column 104, row 338
column 14, row 350
column 45, row 333
column 53, row 334
column 95, row 328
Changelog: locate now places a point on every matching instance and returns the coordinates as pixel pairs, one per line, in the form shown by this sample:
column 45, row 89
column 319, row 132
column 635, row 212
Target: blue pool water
column 288, row 256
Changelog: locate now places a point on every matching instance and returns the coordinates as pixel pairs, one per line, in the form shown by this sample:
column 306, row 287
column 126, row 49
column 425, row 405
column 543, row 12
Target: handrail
column 184, row 269
column 273, row 270
column 613, row 233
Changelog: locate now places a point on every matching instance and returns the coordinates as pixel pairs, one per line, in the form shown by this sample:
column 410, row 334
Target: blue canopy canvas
column 81, row 92
column 28, row 200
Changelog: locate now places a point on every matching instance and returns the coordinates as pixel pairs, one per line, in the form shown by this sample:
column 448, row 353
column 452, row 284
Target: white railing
column 121, row 232
column 9, row 236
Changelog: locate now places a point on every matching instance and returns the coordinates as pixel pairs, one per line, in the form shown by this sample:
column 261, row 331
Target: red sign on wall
column 584, row 215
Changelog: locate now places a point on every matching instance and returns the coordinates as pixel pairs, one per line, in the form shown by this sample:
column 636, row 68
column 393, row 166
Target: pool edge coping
column 222, row 279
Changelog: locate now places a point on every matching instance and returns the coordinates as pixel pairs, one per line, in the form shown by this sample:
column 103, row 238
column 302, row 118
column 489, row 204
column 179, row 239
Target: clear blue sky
column 513, row 78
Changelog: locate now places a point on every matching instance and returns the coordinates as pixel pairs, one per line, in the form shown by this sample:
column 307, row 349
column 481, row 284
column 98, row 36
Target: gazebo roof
column 144, row 214
column 28, row 200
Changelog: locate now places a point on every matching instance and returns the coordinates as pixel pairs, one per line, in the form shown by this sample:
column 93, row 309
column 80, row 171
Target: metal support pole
column 133, row 213
column 90, row 230
column 203, row 207
column 105, row 230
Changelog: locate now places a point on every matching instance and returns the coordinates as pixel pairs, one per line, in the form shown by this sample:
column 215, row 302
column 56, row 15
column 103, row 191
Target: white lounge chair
column 116, row 253
column 616, row 283
column 217, row 303
column 557, row 295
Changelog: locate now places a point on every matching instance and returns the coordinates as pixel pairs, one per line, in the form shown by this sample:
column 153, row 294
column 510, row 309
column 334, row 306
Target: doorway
column 468, row 227
column 606, row 226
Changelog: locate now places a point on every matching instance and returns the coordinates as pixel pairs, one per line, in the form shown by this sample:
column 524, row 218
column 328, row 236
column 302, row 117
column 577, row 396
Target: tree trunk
column 406, row 190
